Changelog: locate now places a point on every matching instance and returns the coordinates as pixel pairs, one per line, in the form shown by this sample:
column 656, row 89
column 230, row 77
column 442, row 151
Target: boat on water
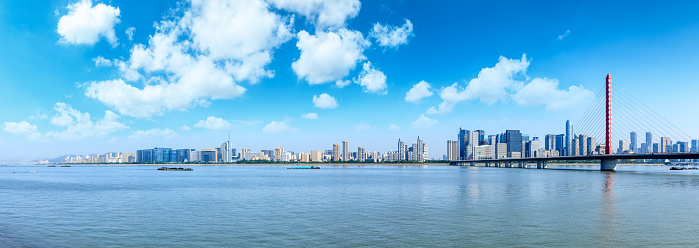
column 175, row 169
column 305, row 167
column 684, row 168
column 51, row 166
column 65, row 165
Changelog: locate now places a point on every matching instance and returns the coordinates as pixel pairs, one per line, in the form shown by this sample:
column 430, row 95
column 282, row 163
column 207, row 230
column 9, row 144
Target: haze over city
column 90, row 77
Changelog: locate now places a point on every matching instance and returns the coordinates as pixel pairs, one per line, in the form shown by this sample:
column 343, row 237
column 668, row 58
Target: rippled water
column 387, row 206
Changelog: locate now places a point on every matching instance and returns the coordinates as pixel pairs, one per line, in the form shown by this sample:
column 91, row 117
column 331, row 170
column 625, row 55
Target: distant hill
column 59, row 159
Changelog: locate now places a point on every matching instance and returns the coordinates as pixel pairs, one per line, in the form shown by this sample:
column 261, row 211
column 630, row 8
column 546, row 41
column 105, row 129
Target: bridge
column 608, row 160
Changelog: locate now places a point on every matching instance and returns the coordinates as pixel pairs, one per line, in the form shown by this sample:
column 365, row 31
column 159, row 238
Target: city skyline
column 410, row 69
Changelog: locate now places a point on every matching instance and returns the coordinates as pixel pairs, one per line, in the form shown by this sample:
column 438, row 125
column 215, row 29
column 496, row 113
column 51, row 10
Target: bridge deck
column 684, row 155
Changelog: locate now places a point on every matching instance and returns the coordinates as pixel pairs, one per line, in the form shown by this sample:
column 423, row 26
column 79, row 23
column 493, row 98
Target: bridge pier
column 608, row 165
column 509, row 164
column 524, row 165
column 519, row 164
column 473, row 164
column 544, row 164
column 538, row 164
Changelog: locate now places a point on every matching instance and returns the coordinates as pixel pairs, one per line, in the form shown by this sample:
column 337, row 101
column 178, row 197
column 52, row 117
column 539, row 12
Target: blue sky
column 82, row 77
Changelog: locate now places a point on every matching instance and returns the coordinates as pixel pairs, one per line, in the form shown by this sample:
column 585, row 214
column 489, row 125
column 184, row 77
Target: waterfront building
column 514, row 142
column 305, row 157
column 569, row 139
column 591, row 145
column 278, row 153
column 682, row 146
column 623, row 146
column 550, row 142
column 244, row 153
column 582, row 141
column 574, row 147
column 336, row 152
column 480, row 138
column 452, row 150
column 284, row 157
column 695, row 145
column 360, row 154
column 633, row 144
column 194, row 156
column 316, row 156
column 345, row 151
column 656, row 148
column 492, row 140
column 420, row 150
column 401, row 151
column 560, row 144
column 500, row 150
column 665, row 145
column 208, row 155
column 462, row 143
column 649, row 142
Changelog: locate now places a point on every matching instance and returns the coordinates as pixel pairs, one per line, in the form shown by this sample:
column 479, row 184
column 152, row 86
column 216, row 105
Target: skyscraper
column 401, row 150
column 665, row 145
column 345, row 151
column 569, row 138
column 623, row 146
column 462, row 144
column 649, row 142
column 278, row 153
column 633, row 145
column 695, row 145
column 336, row 152
column 583, row 145
column 360, row 154
column 420, row 150
column 550, row 142
column 560, row 144
column 452, row 150
column 514, row 141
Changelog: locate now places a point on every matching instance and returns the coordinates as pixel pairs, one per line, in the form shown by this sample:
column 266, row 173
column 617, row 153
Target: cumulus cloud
column 196, row 57
column 324, row 101
column 130, row 31
column 185, row 128
column 20, row 128
column 101, row 61
column 418, row 91
column 85, row 24
column 322, row 13
column 372, row 80
column 508, row 80
column 392, row 36
column 544, row 91
column 79, row 125
column 213, row 123
column 328, row 56
column 152, row 133
column 311, row 116
column 423, row 122
column 278, row 127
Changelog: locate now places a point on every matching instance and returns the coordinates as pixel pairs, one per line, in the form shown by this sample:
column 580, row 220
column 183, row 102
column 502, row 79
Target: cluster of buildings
column 475, row 145
column 227, row 154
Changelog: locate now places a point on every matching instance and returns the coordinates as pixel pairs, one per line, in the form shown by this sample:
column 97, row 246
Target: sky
column 91, row 77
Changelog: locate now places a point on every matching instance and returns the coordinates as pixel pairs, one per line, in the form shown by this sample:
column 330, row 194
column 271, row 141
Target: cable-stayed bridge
column 631, row 115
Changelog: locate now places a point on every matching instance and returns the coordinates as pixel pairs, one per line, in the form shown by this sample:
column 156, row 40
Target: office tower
column 452, row 150
column 336, row 152
column 268, row 153
column 208, row 155
column 360, row 154
column 665, row 144
column 656, row 148
column 462, row 143
column 345, row 151
column 560, row 144
column 514, row 142
column 316, row 156
column 633, row 145
column 525, row 137
column 480, row 138
column 574, row 147
column 532, row 147
column 500, row 150
column 424, row 152
column 591, row 145
column 649, row 142
column 420, row 150
column 569, row 139
column 550, row 142
column 244, row 153
column 695, row 145
column 471, row 143
column 682, row 146
column 623, row 146
column 582, row 141
column 278, row 153
column 401, row 150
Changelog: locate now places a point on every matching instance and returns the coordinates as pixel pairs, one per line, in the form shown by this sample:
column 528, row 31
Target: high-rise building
column 623, row 146
column 462, row 143
column 656, row 148
column 244, row 153
column 550, row 142
column 560, row 144
column 360, row 154
column 268, row 153
column 452, row 150
column 582, row 139
column 401, row 150
column 574, row 147
column 471, row 143
column 278, row 153
column 345, row 151
column 569, row 138
column 695, row 145
column 682, row 146
column 500, row 150
column 633, row 145
column 492, row 140
column 480, row 138
column 336, row 152
column 591, row 145
column 665, row 145
column 649, row 142
column 514, row 141
column 316, row 156
column 420, row 150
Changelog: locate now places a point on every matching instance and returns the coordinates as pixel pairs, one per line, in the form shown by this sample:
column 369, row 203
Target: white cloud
column 418, row 91
column 328, row 56
column 544, row 91
column 491, row 85
column 185, row 128
column 393, row 127
column 85, row 24
column 423, row 122
column 20, row 128
column 130, row 31
column 500, row 83
column 79, row 125
column 213, row 123
column 324, row 101
column 392, row 36
column 101, row 61
column 152, row 133
column 560, row 37
column 312, row 116
column 322, row 13
column 278, row 127
column 195, row 58
column 363, row 127
column 372, row 80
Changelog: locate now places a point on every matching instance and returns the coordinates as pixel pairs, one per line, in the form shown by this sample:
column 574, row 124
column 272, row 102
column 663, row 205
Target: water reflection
column 609, row 213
